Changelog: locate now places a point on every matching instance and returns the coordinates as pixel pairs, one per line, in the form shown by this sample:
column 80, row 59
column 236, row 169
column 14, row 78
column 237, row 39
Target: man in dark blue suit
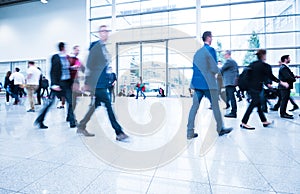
column 61, row 86
column 96, row 81
column 204, row 83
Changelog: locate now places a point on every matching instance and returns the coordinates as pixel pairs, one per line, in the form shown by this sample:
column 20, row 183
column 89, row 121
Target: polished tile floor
column 57, row 160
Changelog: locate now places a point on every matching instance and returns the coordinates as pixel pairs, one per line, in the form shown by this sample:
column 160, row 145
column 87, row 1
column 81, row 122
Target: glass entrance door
column 146, row 60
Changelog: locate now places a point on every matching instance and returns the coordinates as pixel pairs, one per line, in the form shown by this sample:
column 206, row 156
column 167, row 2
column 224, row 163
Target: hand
column 56, row 88
column 285, row 84
column 269, row 86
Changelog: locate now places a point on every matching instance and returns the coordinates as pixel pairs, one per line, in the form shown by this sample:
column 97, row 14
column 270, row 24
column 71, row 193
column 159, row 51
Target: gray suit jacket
column 205, row 68
column 230, row 72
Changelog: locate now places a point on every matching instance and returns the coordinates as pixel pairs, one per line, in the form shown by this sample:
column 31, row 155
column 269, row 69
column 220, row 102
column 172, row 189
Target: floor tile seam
column 20, row 162
column 9, row 190
column 264, row 178
column 182, row 180
column 94, row 180
column 128, row 173
column 253, row 164
column 149, row 185
column 240, row 187
column 50, row 171
column 277, row 148
column 78, row 166
column 208, row 176
column 287, row 154
column 284, row 153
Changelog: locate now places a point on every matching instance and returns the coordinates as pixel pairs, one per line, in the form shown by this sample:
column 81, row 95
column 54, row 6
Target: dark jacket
column 55, row 71
column 286, row 75
column 204, row 69
column 96, row 76
column 7, row 82
column 261, row 74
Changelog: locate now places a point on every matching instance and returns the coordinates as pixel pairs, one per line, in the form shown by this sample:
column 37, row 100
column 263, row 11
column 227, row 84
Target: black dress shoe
column 274, row 109
column 73, row 125
column 192, row 136
column 245, row 127
column 268, row 124
column 287, row 116
column 40, row 125
column 230, row 115
column 227, row 107
column 225, row 131
column 85, row 132
column 295, row 108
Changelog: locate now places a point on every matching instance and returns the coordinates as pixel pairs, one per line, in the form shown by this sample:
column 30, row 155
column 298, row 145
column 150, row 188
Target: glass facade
column 241, row 26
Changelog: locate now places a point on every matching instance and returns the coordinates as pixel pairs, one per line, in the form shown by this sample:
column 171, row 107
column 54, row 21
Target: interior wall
column 33, row 30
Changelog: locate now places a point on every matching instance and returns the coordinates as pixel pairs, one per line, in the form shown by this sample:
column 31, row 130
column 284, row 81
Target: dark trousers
column 101, row 95
column 255, row 102
column 285, row 96
column 230, row 90
column 213, row 96
column 7, row 94
column 277, row 105
column 38, row 95
column 112, row 95
column 15, row 93
column 65, row 92
column 45, row 89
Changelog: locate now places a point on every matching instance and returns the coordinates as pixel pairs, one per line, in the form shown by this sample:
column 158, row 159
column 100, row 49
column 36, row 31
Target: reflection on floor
column 57, row 160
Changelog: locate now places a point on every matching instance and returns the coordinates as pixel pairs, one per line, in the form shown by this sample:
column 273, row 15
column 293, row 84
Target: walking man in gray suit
column 230, row 74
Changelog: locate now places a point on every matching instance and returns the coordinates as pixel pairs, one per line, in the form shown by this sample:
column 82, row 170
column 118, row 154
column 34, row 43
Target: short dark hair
column 260, row 53
column 102, row 26
column 76, row 46
column 205, row 35
column 61, row 46
column 17, row 69
column 284, row 57
column 228, row 52
column 31, row 62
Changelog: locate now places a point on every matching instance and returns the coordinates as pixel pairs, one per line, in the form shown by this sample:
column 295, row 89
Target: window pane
column 247, row 26
column 217, row 28
column 275, row 8
column 183, row 16
column 213, row 2
column 242, row 42
column 281, row 40
column 278, row 24
column 100, row 2
column 101, row 11
column 126, row 22
column 154, row 19
column 215, row 13
column 188, row 29
column 127, row 9
column 181, row 4
column 221, row 43
column 247, row 10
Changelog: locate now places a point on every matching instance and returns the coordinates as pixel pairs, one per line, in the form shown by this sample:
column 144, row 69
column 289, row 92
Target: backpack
column 244, row 79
